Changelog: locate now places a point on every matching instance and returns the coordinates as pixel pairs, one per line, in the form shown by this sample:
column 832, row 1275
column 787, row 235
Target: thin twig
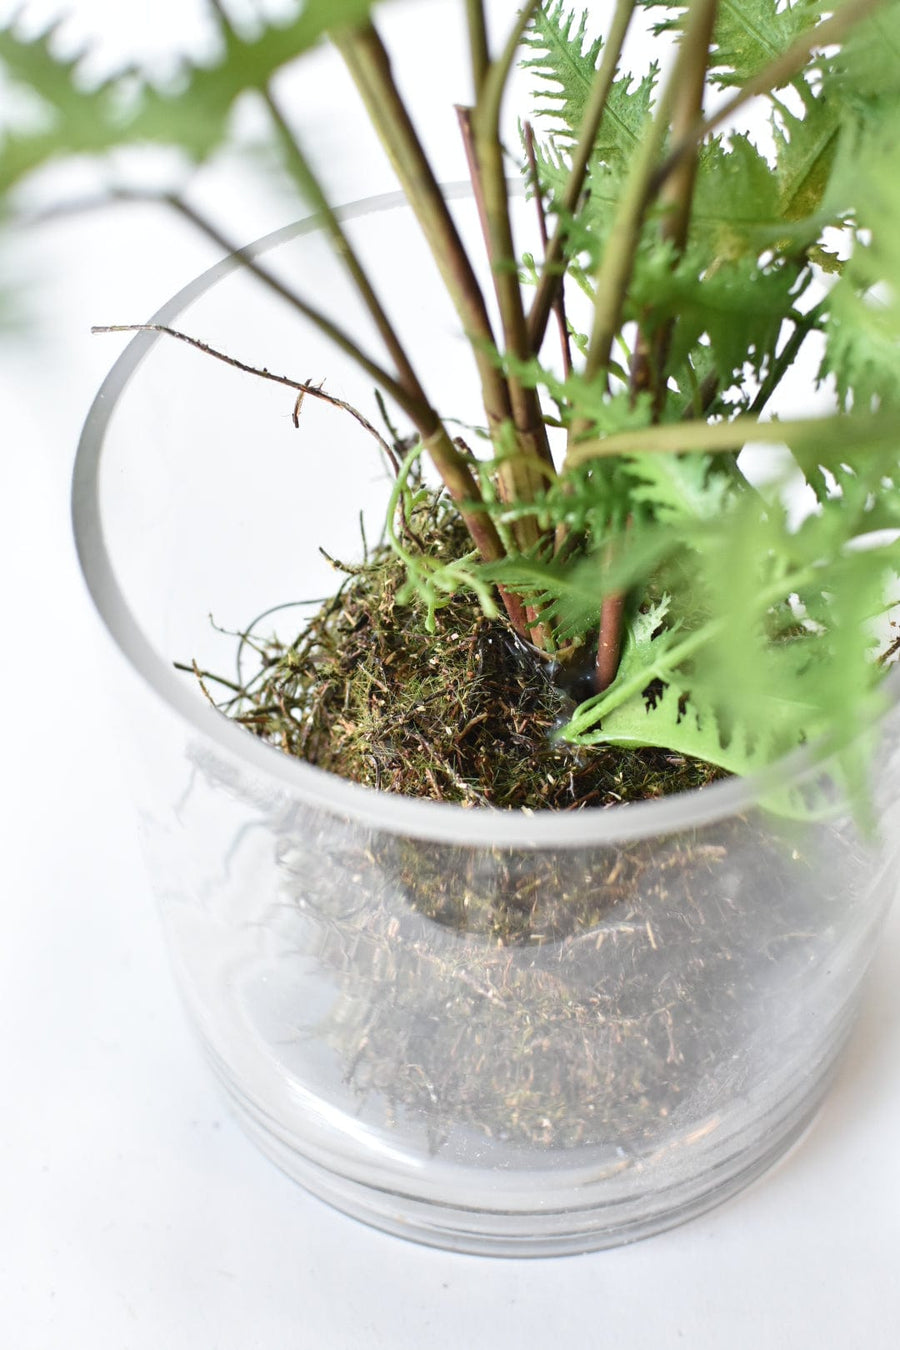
column 331, row 330
column 173, row 201
column 301, row 171
column 202, row 675
column 450, row 464
column 304, row 387
column 461, row 485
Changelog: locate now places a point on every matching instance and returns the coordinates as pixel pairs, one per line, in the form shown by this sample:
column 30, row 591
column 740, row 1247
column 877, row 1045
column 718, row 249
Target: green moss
column 466, row 713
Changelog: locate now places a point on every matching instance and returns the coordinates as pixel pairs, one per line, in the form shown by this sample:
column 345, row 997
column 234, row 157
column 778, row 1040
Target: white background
column 133, row 1213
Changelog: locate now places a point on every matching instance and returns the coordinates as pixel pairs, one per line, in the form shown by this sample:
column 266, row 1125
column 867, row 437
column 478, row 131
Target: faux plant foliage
column 726, row 210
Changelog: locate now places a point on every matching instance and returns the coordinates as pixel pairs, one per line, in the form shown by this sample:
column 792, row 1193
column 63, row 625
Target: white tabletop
column 135, row 1215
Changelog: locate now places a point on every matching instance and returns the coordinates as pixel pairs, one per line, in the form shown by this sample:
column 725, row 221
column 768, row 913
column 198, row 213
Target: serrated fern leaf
column 736, row 206
column 565, row 63
column 751, row 33
column 77, row 120
column 805, row 153
column 191, row 114
column 675, row 722
column 674, row 487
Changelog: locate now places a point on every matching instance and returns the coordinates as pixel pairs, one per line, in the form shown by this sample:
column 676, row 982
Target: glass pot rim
column 443, row 822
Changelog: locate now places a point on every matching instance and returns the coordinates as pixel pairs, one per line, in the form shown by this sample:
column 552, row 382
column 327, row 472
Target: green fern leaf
column 192, row 114
column 737, row 207
column 565, row 64
column 77, row 120
column 739, row 307
column 751, row 33
column 806, row 148
column 691, row 487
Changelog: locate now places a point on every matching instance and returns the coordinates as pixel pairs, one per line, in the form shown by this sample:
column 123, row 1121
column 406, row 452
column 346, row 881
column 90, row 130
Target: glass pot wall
column 683, row 973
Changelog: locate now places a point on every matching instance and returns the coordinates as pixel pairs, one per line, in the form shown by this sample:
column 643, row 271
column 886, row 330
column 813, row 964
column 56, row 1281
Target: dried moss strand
column 466, row 713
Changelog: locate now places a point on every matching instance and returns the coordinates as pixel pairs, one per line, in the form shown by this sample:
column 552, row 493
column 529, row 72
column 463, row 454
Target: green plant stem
column 617, row 264
column 521, row 481
column 370, row 68
column 680, row 100
column 779, row 72
column 464, row 118
column 517, row 479
column 676, row 197
column 309, row 185
column 559, row 302
column 552, row 271
column 803, row 326
column 476, row 27
column 677, row 438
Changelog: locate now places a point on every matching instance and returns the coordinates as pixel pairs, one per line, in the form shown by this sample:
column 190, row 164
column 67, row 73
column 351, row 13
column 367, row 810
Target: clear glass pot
column 685, row 971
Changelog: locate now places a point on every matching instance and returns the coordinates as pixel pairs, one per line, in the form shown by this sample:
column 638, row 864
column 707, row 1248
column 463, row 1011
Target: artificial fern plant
column 721, row 213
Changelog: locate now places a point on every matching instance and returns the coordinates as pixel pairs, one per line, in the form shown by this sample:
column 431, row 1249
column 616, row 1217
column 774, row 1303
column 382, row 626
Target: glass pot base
column 541, row 1232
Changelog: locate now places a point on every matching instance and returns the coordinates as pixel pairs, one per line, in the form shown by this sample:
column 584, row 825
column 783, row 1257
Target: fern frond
column 191, row 113
column 564, row 63
column 680, row 487
column 751, row 33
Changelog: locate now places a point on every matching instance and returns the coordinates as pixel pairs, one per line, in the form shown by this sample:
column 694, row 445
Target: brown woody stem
column 609, row 643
